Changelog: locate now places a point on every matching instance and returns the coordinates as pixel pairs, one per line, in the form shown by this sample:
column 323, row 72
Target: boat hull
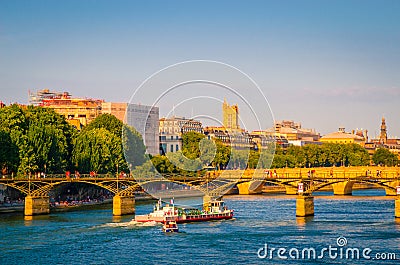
column 185, row 218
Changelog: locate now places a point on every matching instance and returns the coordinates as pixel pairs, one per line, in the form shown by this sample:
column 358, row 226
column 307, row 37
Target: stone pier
column 123, row 205
column 304, row 206
column 397, row 207
column 36, row 205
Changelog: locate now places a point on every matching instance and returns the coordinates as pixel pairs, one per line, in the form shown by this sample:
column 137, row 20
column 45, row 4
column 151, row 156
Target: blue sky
column 323, row 63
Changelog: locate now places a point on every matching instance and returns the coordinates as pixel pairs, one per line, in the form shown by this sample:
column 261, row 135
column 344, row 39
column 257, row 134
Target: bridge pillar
column 36, row 205
column 206, row 202
column 343, row 188
column 250, row 187
column 393, row 184
column 304, row 206
column 397, row 207
column 123, row 205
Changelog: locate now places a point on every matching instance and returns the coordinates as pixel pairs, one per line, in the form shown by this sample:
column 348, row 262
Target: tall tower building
column 230, row 116
column 383, row 136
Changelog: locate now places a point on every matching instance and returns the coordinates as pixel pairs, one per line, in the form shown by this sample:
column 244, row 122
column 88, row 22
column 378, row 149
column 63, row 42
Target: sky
column 326, row 64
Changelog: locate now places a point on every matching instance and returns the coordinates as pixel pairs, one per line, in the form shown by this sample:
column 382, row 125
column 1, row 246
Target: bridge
column 340, row 179
column 217, row 183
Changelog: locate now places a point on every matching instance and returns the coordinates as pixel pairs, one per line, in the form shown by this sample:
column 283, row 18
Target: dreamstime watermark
column 340, row 251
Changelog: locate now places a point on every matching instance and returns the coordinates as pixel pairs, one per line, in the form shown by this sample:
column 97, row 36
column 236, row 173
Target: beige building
column 230, row 115
column 116, row 109
column 384, row 141
column 342, row 137
column 293, row 131
column 171, row 130
column 78, row 111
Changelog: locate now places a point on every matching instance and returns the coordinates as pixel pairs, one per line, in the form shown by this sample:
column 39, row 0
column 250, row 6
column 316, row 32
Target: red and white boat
column 213, row 210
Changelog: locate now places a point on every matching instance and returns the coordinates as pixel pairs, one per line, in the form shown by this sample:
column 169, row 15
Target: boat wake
column 130, row 224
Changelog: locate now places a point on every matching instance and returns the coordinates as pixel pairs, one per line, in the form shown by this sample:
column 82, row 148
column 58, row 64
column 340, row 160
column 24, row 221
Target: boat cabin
column 215, row 206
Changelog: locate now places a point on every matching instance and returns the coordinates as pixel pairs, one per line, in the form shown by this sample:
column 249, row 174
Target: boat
column 213, row 210
column 170, row 227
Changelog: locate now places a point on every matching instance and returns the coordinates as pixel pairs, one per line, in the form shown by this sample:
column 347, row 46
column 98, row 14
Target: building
column 384, row 141
column 293, row 131
column 171, row 130
column 145, row 120
column 78, row 111
column 263, row 139
column 342, row 137
column 285, row 133
column 116, row 109
column 239, row 140
column 230, row 115
column 383, row 138
column 230, row 133
column 36, row 98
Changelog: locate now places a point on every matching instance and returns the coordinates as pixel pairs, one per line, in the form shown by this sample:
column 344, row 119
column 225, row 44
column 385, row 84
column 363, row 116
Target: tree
column 357, row 155
column 106, row 121
column 222, row 155
column 134, row 149
column 47, row 142
column 8, row 153
column 41, row 137
column 254, row 157
column 163, row 165
column 384, row 157
column 119, row 147
column 98, row 150
column 191, row 144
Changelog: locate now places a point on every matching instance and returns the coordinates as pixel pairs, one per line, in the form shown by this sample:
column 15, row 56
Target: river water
column 365, row 220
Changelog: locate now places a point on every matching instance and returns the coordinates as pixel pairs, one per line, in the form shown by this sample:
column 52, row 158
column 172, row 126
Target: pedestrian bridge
column 215, row 184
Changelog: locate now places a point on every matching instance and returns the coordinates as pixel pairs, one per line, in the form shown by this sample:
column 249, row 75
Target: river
column 365, row 221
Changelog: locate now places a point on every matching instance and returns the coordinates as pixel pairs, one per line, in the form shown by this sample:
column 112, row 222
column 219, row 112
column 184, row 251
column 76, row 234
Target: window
column 172, row 137
column 172, row 148
column 177, row 148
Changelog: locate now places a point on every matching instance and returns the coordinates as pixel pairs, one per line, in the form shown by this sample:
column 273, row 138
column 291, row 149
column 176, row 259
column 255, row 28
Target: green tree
column 254, row 157
column 134, row 149
column 384, row 157
column 106, row 145
column 98, row 150
column 357, row 155
column 191, row 144
column 47, row 142
column 41, row 136
column 222, row 155
column 9, row 158
column 163, row 165
column 106, row 121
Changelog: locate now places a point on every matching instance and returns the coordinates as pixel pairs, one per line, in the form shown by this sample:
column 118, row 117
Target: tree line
column 37, row 139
